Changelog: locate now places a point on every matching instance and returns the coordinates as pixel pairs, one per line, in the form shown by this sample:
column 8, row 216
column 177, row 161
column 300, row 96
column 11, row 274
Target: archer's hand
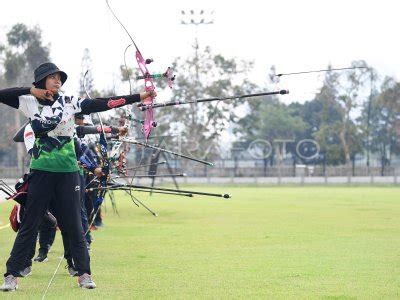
column 122, row 131
column 42, row 94
column 145, row 95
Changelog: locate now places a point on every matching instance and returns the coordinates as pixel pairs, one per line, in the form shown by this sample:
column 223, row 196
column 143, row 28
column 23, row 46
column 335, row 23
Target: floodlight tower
column 197, row 18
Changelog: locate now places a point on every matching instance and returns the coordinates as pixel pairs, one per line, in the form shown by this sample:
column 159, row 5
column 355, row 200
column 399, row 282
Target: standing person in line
column 54, row 178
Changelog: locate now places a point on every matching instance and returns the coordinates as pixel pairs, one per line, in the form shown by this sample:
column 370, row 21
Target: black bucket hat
column 47, row 69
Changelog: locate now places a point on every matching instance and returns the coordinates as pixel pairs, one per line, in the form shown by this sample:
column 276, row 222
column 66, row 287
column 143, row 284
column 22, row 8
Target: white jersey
column 69, row 106
column 54, row 127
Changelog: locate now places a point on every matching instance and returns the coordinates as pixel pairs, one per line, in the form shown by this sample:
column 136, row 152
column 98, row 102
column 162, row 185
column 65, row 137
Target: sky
column 292, row 35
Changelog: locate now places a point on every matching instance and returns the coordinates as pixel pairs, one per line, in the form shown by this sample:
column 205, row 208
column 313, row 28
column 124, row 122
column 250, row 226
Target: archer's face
column 53, row 83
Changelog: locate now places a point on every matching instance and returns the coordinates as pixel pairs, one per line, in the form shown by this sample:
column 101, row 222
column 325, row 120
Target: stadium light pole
column 197, row 18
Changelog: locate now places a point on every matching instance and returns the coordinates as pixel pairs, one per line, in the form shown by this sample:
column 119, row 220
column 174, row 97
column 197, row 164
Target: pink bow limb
column 149, row 122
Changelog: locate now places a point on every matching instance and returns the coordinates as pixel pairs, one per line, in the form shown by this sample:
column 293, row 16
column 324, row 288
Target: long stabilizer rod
column 156, row 192
column 136, row 142
column 318, row 71
column 144, row 166
column 141, row 187
column 5, row 191
column 172, row 103
column 152, row 176
column 6, row 188
column 144, row 205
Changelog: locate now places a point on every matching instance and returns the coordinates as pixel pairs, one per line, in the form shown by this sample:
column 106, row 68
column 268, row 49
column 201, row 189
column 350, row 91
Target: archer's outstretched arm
column 82, row 130
column 89, row 106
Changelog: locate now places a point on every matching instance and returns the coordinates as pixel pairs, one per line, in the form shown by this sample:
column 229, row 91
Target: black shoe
column 26, row 272
column 42, row 256
column 71, row 270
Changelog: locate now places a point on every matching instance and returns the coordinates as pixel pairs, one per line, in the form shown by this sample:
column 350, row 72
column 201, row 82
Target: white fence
column 301, row 180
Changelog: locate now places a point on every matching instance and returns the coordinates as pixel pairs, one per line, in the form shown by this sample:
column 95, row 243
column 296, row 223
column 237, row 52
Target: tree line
column 354, row 114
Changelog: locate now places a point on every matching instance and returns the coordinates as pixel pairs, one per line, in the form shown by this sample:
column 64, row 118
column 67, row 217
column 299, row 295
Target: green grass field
column 272, row 242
